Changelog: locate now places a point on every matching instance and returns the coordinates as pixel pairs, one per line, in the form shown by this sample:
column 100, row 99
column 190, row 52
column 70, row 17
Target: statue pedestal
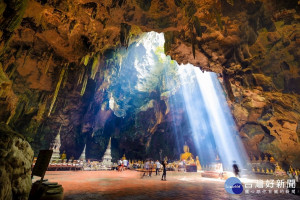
column 191, row 168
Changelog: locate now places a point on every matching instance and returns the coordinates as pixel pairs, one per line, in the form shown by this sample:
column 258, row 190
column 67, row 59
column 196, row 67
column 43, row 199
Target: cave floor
column 79, row 185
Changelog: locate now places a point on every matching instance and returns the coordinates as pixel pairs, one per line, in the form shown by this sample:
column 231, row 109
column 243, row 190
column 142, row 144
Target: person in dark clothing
column 236, row 169
column 164, row 175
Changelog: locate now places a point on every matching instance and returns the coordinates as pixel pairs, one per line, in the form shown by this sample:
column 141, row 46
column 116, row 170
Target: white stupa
column 55, row 145
column 82, row 156
column 106, row 159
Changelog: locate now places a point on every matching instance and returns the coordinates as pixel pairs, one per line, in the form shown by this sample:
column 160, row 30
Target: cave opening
column 172, row 105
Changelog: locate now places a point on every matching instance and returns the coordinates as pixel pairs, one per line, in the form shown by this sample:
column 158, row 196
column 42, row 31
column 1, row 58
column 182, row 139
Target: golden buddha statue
column 186, row 155
column 124, row 157
column 191, row 161
column 63, row 155
column 198, row 163
column 272, row 160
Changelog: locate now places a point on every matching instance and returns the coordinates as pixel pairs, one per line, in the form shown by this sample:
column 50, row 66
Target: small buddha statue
column 253, row 169
column 191, row 161
column 124, row 157
column 271, row 171
column 267, row 171
column 63, row 155
column 259, row 159
column 277, row 167
column 272, row 160
column 186, row 155
column 258, row 170
column 198, row 163
column 266, row 159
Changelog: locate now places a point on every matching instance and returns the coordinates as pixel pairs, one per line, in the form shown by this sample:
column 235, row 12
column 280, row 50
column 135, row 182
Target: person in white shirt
column 157, row 163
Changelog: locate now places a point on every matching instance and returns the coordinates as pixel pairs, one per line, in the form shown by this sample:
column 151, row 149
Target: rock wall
column 15, row 165
column 51, row 50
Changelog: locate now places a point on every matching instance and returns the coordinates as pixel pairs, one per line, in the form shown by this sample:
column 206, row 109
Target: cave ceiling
column 50, row 51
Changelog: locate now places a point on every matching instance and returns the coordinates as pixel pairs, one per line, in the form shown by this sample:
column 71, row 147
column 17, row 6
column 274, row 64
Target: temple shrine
column 82, row 156
column 106, row 159
column 55, row 145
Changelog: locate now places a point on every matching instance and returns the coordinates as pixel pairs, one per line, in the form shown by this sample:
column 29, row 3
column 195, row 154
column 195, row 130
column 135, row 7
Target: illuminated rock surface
column 60, row 59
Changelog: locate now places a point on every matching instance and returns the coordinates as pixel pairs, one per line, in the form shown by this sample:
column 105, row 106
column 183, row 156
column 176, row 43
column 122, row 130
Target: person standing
column 236, row 169
column 164, row 175
column 157, row 163
column 151, row 165
column 120, row 165
column 147, row 163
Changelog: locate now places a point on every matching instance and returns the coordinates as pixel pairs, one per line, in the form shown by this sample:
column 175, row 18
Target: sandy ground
column 79, row 185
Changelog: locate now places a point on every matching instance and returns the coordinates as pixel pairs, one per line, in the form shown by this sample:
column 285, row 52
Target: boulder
column 15, row 165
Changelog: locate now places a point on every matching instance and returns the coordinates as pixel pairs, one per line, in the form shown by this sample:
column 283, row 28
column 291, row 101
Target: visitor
column 164, row 175
column 236, row 169
column 125, row 164
column 146, row 165
column 120, row 165
column 151, row 165
column 157, row 163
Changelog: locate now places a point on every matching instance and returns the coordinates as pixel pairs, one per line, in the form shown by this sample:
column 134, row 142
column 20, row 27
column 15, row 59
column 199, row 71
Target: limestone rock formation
column 58, row 60
column 15, row 165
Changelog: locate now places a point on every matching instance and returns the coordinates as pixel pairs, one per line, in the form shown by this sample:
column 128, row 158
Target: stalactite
column 12, row 71
column 26, row 56
column 57, row 88
column 41, row 111
column 65, row 78
column 82, row 72
column 12, row 114
column 48, row 63
column 65, row 103
column 95, row 66
column 84, row 85
column 85, row 59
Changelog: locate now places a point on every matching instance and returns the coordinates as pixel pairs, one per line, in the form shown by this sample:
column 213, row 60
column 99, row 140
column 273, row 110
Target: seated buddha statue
column 186, row 155
column 63, row 155
column 124, row 157
column 272, row 160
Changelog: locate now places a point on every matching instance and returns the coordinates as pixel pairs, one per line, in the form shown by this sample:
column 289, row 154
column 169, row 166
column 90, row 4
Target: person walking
column 164, row 175
column 157, row 163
